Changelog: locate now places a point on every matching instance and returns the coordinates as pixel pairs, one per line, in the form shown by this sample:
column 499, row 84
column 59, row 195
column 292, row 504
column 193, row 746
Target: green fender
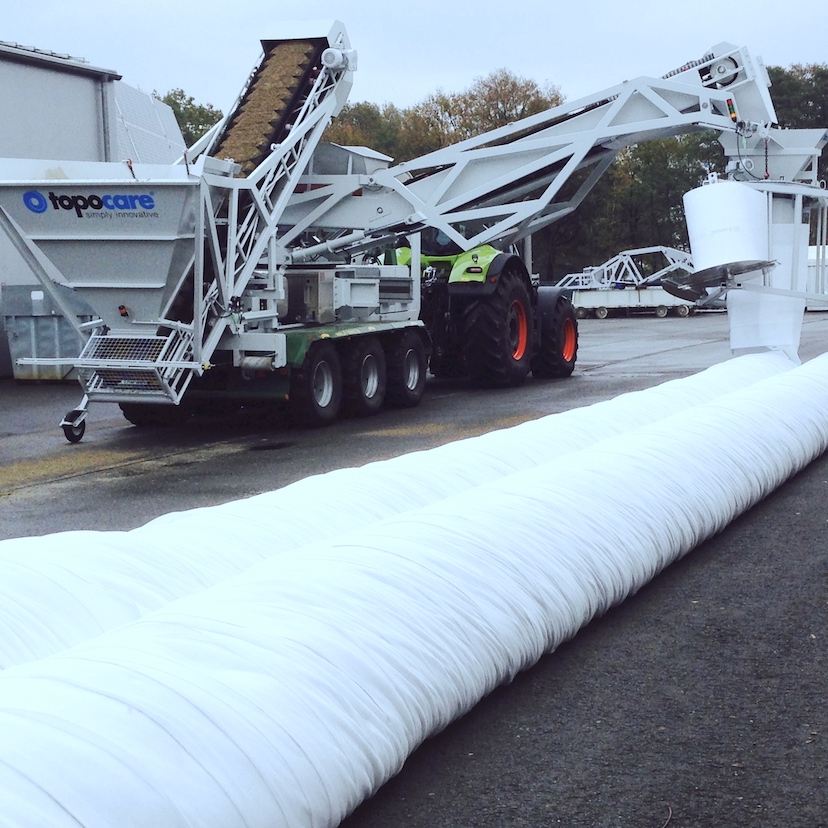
column 472, row 273
column 465, row 281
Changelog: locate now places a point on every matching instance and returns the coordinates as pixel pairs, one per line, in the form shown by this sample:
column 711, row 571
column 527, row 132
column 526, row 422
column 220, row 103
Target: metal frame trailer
column 249, row 270
column 621, row 283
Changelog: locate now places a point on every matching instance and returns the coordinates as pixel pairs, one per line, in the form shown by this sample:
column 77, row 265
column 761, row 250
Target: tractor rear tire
column 363, row 377
column 497, row 333
column 154, row 415
column 316, row 388
column 558, row 346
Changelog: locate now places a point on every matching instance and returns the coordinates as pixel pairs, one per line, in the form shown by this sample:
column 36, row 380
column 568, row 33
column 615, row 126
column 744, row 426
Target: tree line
column 638, row 201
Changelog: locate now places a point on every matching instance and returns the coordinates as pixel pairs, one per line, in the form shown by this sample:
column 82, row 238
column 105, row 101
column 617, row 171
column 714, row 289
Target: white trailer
column 602, row 302
column 630, row 281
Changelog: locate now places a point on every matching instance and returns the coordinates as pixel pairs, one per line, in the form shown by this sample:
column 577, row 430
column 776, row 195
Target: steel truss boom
column 508, row 183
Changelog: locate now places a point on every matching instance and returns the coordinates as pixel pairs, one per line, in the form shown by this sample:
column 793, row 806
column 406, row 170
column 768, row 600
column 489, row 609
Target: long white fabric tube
column 285, row 695
column 60, row 590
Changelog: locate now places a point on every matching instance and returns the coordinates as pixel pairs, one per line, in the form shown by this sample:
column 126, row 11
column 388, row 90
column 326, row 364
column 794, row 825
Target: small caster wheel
column 74, row 433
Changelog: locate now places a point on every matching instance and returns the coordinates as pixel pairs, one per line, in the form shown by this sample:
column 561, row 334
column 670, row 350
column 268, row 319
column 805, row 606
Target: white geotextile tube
column 286, row 695
column 62, row 589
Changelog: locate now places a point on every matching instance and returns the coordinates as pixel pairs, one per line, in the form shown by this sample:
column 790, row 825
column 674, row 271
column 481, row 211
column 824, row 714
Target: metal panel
column 146, row 130
column 35, row 328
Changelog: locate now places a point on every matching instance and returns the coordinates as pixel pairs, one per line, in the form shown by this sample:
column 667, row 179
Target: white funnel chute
column 727, row 223
column 741, row 237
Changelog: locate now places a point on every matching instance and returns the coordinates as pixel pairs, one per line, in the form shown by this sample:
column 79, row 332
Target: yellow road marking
column 456, row 431
column 78, row 463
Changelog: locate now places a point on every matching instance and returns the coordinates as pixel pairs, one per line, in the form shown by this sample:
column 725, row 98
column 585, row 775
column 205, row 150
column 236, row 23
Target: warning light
column 731, row 110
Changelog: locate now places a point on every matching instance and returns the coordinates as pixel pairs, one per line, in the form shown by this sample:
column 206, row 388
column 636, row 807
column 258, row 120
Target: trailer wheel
column 497, row 333
column 154, row 415
column 581, row 313
column 406, row 371
column 363, row 376
column 316, row 388
column 661, row 311
column 683, row 311
column 558, row 346
column 601, row 312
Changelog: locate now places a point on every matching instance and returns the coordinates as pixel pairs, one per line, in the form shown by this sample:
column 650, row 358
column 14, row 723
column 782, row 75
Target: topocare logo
column 117, row 204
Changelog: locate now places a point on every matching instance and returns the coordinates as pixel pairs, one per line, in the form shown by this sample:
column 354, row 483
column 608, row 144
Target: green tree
column 490, row 102
column 637, row 203
column 499, row 99
column 442, row 118
column 800, row 97
column 193, row 119
column 367, row 125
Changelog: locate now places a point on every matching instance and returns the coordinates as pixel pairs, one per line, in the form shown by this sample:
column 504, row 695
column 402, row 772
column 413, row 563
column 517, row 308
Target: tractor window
column 436, row 243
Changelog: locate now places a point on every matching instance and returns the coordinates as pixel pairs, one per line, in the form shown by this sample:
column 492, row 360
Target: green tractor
column 487, row 318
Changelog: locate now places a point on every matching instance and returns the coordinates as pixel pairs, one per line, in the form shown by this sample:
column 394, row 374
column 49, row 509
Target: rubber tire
column 363, row 377
column 154, row 415
column 683, row 311
column 316, row 388
column 406, row 371
column 661, row 311
column 581, row 313
column 601, row 313
column 74, row 433
column 558, row 347
column 497, row 332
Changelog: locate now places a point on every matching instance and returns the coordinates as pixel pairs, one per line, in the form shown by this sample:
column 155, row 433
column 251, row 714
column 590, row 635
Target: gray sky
column 406, row 51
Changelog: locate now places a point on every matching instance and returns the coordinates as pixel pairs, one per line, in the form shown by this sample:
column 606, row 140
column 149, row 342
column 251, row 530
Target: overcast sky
column 408, row 50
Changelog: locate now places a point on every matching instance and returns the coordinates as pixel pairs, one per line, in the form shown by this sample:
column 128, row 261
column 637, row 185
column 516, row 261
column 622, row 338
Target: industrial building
column 63, row 108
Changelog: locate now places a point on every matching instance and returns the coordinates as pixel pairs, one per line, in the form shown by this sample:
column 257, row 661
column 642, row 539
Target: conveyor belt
column 263, row 115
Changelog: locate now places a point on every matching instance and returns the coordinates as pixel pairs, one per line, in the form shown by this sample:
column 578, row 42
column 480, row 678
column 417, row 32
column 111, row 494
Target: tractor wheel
column 497, row 333
column 406, row 371
column 558, row 346
column 316, row 388
column 154, row 415
column 363, row 377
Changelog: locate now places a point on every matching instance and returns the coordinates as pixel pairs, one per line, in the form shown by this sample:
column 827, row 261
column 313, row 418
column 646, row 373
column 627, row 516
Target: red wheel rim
column 569, row 340
column 518, row 330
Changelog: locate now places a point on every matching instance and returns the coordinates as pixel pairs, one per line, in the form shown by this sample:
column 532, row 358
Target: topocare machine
column 269, row 266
